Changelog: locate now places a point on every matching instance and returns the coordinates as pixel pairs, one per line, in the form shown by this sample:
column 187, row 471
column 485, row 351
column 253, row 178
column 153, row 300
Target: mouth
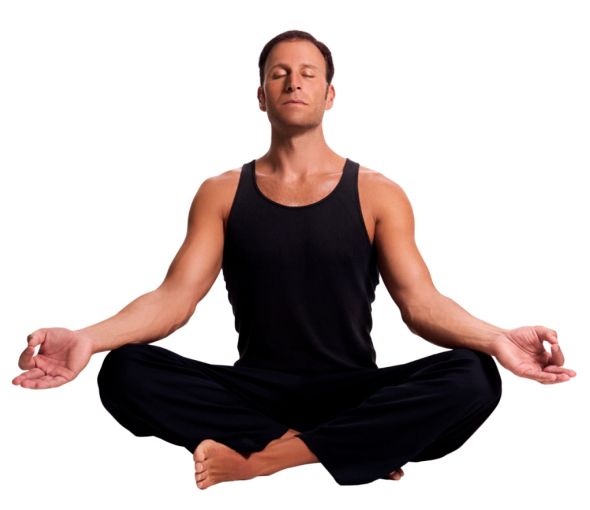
column 294, row 101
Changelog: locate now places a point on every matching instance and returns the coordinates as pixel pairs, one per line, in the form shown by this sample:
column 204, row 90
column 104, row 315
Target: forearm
column 150, row 317
column 443, row 322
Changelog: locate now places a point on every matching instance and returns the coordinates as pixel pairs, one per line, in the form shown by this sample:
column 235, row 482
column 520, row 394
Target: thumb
column 550, row 335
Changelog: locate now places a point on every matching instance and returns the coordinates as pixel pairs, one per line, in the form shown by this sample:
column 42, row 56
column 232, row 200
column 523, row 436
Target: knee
column 118, row 375
column 478, row 377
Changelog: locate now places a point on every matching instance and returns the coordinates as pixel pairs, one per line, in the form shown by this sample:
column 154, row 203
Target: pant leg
column 454, row 437
column 422, row 410
column 153, row 391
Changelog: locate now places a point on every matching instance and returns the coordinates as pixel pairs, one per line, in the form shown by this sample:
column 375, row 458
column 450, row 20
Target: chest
column 309, row 193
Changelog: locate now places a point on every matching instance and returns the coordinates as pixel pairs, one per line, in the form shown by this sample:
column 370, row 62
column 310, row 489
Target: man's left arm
column 436, row 317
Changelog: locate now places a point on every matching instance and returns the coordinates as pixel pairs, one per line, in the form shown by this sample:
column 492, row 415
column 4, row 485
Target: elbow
column 410, row 323
column 177, row 308
column 408, row 315
column 184, row 317
column 177, row 321
column 405, row 314
column 416, row 309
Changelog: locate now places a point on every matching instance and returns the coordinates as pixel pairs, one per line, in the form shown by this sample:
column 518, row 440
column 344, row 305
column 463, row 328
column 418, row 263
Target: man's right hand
column 62, row 355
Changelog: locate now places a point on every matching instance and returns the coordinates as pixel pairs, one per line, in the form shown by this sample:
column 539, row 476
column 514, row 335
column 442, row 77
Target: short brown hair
column 290, row 35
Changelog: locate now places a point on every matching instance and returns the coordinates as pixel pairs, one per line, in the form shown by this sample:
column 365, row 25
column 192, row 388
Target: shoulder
column 386, row 196
column 218, row 191
column 218, row 182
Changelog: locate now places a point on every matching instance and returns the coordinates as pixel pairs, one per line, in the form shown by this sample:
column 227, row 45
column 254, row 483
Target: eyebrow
column 281, row 64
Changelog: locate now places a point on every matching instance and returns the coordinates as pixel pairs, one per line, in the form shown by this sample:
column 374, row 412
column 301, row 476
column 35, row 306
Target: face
column 295, row 70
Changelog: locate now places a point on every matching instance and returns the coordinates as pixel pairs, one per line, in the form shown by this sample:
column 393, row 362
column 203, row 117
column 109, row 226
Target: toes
column 199, row 453
column 202, row 449
column 397, row 474
column 203, row 484
column 200, row 480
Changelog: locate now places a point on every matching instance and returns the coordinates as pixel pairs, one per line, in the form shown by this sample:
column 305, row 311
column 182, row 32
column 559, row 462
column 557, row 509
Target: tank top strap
column 348, row 185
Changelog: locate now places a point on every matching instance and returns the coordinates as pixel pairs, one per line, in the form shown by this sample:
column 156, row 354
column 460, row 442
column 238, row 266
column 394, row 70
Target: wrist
column 86, row 337
column 497, row 340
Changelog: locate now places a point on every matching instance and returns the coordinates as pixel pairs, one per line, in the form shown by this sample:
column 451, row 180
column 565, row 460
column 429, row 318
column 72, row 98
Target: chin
column 290, row 123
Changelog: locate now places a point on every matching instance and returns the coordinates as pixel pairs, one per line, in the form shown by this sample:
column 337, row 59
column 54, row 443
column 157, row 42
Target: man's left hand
column 521, row 351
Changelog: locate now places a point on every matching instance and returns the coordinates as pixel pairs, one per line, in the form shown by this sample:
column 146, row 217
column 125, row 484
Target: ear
column 330, row 95
column 261, row 99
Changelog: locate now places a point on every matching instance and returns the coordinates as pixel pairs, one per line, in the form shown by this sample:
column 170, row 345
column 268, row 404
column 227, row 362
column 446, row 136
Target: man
column 302, row 235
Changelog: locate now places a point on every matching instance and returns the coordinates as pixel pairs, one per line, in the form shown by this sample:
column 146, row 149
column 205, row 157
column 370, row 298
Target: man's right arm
column 194, row 269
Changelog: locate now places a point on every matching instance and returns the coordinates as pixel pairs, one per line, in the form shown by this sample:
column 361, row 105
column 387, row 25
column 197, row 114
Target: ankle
column 284, row 453
column 260, row 463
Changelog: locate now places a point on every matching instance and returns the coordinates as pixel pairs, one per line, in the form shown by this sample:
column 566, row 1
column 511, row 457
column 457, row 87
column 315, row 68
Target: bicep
column 197, row 263
column 401, row 265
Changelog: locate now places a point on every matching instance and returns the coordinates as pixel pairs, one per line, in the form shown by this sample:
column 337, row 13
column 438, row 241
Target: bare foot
column 216, row 462
column 397, row 474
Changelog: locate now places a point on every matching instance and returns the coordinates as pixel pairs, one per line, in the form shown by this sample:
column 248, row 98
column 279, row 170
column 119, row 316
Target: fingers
column 556, row 355
column 543, row 377
column 31, row 374
column 559, row 378
column 36, row 337
column 25, row 361
column 46, row 381
column 45, row 375
column 548, row 377
column 550, row 335
column 36, row 379
column 546, row 334
column 559, row 370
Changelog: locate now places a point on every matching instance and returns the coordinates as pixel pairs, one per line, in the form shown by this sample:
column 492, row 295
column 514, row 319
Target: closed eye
column 305, row 76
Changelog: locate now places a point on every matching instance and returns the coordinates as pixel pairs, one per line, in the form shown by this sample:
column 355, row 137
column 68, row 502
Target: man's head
column 295, row 66
column 292, row 35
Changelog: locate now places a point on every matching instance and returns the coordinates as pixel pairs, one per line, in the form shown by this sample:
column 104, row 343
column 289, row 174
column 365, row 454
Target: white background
column 113, row 113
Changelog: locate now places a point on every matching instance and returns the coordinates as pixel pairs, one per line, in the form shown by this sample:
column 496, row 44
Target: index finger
column 25, row 360
column 550, row 335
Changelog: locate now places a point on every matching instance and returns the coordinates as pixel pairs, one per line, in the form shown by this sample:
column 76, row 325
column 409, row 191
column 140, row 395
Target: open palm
column 62, row 355
column 521, row 351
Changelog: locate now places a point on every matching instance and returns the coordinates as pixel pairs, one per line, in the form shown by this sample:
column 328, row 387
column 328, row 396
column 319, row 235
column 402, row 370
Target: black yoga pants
column 361, row 424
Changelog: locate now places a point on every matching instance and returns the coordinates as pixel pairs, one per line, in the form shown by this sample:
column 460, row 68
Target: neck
column 301, row 153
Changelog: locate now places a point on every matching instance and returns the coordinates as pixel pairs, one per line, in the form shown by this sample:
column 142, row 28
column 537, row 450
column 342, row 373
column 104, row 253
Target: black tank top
column 301, row 279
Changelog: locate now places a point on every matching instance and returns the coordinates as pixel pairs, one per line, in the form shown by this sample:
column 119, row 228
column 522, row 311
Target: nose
column 290, row 87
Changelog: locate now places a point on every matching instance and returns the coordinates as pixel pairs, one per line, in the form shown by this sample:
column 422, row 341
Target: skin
column 299, row 168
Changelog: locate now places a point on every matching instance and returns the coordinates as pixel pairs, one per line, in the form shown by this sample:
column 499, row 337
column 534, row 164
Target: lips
column 296, row 101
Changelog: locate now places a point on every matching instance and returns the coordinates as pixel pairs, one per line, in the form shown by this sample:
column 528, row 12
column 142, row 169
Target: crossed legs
column 216, row 462
column 431, row 405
